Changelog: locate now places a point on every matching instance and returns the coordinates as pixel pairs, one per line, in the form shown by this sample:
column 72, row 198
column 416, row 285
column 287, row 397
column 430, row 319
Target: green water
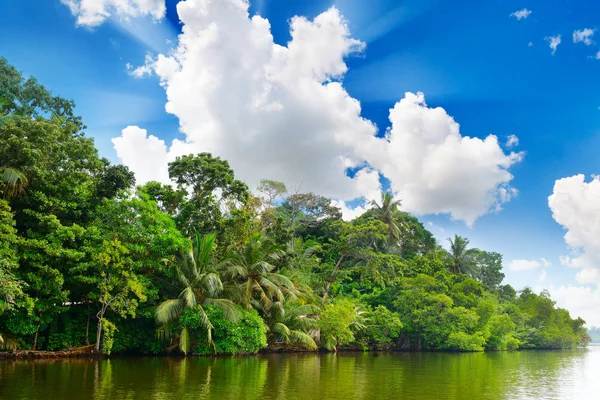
column 515, row 375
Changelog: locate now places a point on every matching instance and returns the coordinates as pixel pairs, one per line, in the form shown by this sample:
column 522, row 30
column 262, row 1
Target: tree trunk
column 100, row 317
column 35, row 338
column 331, row 279
column 87, row 329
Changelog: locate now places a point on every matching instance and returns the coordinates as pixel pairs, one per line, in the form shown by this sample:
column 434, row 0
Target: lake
column 573, row 374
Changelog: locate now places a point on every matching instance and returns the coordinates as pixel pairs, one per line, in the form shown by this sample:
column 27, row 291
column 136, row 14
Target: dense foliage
column 203, row 266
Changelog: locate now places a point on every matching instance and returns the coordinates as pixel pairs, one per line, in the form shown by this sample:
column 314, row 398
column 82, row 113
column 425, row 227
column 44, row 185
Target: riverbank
column 90, row 352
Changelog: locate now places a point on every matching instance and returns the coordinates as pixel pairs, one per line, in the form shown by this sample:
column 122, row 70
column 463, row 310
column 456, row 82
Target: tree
column 339, row 321
column 383, row 327
column 12, row 181
column 200, row 286
column 291, row 323
column 272, row 190
column 307, row 210
column 461, row 258
column 10, row 286
column 488, row 269
column 28, row 98
column 353, row 244
column 211, row 181
column 118, row 288
column 388, row 213
column 253, row 268
column 112, row 179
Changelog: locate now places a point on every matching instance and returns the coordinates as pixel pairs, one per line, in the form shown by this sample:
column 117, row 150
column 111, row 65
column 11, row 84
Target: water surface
column 504, row 375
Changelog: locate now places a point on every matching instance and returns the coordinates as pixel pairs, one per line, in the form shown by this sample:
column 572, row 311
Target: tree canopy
column 87, row 257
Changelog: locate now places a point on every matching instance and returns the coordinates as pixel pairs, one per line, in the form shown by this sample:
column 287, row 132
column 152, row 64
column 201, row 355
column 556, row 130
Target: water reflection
column 502, row 375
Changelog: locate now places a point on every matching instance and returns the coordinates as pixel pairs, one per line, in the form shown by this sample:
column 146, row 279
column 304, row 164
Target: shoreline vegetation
column 206, row 266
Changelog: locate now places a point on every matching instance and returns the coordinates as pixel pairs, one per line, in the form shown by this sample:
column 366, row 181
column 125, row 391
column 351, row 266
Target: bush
column 246, row 336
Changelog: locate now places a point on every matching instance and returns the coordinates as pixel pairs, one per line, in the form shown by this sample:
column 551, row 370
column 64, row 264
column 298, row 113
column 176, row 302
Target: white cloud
column 583, row 36
column 512, row 140
column 434, row 169
column 348, row 213
column 545, row 262
column 581, row 301
column 554, row 42
column 521, row 14
column 524, row 265
column 575, row 205
column 92, row 13
column 543, row 275
column 150, row 159
column 142, row 70
column 597, row 57
column 530, row 44
column 282, row 113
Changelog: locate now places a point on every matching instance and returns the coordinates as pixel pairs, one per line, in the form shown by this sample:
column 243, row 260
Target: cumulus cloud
column 575, row 205
column 142, row 70
column 512, row 140
column 150, row 159
column 583, row 36
column 524, row 265
column 581, row 301
column 553, row 41
column 434, row 169
column 282, row 113
column 92, row 13
column 597, row 57
column 521, row 14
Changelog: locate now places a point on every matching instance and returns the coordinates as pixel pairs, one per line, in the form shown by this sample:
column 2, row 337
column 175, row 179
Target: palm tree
column 251, row 268
column 290, row 323
column 201, row 286
column 460, row 257
column 7, row 342
column 14, row 181
column 389, row 214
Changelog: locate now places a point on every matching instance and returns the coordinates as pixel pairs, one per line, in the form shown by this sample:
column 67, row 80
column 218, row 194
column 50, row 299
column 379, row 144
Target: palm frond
column 303, row 339
column 185, row 340
column 230, row 310
column 280, row 280
column 7, row 342
column 169, row 310
column 189, row 297
column 281, row 329
column 14, row 180
column 204, row 248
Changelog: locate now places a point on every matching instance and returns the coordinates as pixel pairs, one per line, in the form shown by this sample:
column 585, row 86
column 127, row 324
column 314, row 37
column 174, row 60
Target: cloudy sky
column 483, row 117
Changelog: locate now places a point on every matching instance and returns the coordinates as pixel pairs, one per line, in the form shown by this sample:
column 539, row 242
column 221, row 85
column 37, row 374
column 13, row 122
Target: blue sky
column 493, row 73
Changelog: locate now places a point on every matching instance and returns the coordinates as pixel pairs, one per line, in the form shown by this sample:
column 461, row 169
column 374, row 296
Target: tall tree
column 461, row 258
column 119, row 288
column 28, row 98
column 488, row 269
column 272, row 190
column 10, row 286
column 388, row 213
column 211, row 182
